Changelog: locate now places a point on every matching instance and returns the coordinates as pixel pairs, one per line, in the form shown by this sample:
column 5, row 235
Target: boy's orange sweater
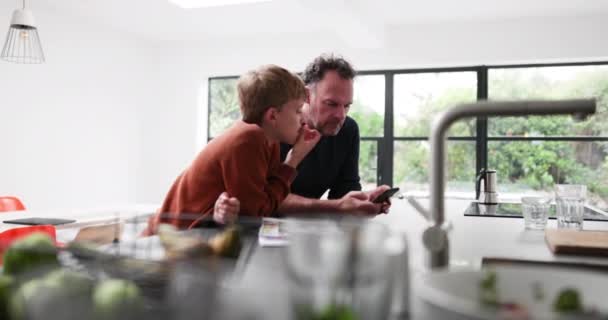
column 242, row 162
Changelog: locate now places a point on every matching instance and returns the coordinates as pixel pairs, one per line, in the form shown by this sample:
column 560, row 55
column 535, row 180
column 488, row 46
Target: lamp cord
column 24, row 4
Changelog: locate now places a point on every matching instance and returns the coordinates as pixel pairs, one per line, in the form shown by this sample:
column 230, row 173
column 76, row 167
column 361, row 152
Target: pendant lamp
column 22, row 43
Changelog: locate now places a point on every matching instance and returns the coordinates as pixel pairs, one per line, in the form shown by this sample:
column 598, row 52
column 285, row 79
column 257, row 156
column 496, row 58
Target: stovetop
column 513, row 210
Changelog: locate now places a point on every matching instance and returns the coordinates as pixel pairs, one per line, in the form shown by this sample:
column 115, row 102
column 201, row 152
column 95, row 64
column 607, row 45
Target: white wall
column 71, row 128
column 111, row 119
column 171, row 122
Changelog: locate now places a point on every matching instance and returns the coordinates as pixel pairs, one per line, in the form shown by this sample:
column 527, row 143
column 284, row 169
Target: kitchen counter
column 471, row 239
column 260, row 292
column 84, row 217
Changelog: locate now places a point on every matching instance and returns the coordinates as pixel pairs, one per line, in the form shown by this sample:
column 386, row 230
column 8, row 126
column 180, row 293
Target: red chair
column 9, row 236
column 10, row 204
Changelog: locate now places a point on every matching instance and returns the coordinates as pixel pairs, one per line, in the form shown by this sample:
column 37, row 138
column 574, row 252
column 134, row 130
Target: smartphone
column 386, row 195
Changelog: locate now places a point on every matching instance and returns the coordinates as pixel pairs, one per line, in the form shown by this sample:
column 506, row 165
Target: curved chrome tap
column 435, row 237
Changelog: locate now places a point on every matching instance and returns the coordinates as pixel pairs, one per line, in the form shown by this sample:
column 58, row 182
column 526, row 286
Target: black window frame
column 385, row 144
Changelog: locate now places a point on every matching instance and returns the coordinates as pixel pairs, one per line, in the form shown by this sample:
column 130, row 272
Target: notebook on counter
column 272, row 233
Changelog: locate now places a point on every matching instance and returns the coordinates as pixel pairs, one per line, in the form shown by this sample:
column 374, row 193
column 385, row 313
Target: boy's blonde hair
column 265, row 87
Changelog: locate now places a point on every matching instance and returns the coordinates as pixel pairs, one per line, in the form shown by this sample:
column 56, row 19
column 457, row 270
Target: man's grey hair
column 315, row 71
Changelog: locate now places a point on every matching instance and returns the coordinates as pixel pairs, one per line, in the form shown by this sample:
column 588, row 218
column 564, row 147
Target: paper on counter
column 272, row 233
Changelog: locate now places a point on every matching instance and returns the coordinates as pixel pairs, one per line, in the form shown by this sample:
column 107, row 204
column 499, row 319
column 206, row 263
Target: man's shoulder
column 349, row 128
column 350, row 122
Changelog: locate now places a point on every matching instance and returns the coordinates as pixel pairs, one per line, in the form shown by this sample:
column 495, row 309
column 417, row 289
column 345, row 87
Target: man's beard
column 331, row 128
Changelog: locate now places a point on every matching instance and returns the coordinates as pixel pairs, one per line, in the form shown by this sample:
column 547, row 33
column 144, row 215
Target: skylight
column 190, row 4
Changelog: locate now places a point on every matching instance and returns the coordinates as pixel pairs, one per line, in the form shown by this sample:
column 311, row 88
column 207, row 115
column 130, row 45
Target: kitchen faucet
column 435, row 237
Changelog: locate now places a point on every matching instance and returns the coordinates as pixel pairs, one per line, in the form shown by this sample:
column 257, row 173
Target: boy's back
column 242, row 162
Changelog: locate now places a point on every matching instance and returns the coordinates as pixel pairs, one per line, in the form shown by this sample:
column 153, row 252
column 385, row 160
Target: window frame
column 385, row 144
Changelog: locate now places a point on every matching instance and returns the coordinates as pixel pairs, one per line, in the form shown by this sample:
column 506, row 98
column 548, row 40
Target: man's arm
column 354, row 202
column 294, row 203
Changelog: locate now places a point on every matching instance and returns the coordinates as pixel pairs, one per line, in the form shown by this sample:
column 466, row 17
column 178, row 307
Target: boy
column 243, row 163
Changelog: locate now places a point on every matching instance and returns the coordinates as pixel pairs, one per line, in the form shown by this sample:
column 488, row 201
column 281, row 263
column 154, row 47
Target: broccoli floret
column 330, row 312
column 488, row 291
column 568, row 300
column 338, row 312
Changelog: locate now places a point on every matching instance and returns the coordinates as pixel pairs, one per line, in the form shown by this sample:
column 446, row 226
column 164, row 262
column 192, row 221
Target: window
column 411, row 171
column 419, row 97
column 368, row 105
column 368, row 110
column 534, row 166
column 394, row 109
column 564, row 82
column 223, row 105
column 533, row 154
column 368, row 163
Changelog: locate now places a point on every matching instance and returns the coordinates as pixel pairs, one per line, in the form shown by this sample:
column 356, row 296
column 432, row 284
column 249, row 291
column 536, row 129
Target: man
column 333, row 164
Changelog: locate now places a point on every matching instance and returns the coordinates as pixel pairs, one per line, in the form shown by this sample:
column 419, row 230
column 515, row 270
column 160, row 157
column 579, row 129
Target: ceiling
column 354, row 20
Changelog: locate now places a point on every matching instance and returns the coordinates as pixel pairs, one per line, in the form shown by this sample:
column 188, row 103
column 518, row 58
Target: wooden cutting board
column 590, row 243
column 101, row 234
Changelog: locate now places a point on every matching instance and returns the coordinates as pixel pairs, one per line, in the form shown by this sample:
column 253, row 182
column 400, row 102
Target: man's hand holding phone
column 382, row 195
column 386, row 195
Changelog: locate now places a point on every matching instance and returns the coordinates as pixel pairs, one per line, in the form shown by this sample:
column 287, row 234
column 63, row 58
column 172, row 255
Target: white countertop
column 84, row 217
column 473, row 238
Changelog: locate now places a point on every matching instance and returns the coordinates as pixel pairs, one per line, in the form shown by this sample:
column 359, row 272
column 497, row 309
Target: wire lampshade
column 22, row 43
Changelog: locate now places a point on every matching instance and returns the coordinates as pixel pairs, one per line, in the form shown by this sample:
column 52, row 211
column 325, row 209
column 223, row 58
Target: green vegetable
column 72, row 284
column 117, row 299
column 489, row 280
column 29, row 254
column 337, row 312
column 568, row 300
column 18, row 305
column 61, row 294
column 331, row 312
column 488, row 290
column 6, row 285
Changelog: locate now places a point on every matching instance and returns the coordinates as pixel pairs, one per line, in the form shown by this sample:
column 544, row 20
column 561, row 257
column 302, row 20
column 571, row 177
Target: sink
column 513, row 210
column 455, row 293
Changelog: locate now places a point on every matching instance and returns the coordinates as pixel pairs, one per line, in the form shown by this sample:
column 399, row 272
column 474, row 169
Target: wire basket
column 177, row 286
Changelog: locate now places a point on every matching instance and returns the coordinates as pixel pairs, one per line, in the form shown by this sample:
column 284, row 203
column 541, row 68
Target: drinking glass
column 535, row 211
column 570, row 205
column 339, row 270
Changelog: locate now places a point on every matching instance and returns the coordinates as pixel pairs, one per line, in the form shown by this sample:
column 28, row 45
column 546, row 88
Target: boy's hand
column 226, row 209
column 307, row 139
